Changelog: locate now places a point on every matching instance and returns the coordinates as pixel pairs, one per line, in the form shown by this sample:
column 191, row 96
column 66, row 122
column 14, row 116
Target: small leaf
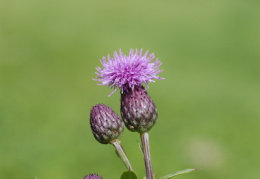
column 178, row 173
column 128, row 175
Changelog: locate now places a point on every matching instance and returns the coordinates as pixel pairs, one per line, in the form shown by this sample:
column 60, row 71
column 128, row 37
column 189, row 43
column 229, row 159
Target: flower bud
column 138, row 111
column 106, row 125
column 92, row 176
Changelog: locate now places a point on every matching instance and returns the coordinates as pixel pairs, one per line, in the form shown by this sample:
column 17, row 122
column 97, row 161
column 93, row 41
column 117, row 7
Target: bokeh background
column 209, row 103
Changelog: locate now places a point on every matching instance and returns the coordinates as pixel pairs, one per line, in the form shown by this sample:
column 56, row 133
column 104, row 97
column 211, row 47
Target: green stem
column 120, row 151
column 147, row 156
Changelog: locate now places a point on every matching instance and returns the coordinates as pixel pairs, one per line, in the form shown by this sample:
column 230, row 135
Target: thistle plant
column 130, row 75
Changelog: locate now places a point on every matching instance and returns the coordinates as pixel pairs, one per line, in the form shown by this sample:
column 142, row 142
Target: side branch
column 120, row 151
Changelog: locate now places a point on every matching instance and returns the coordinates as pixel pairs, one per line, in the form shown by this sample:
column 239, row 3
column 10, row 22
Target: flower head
column 126, row 72
column 138, row 111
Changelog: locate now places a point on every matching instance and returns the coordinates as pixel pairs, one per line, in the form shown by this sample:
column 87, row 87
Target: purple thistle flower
column 126, row 72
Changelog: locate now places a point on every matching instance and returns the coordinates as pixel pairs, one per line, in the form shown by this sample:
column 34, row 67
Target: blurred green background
column 208, row 105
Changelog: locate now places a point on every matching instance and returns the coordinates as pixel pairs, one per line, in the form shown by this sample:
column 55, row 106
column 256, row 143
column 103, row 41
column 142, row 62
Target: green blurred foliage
column 208, row 104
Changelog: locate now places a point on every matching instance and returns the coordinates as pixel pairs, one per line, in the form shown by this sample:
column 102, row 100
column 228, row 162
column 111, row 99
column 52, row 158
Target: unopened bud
column 106, row 125
column 92, row 176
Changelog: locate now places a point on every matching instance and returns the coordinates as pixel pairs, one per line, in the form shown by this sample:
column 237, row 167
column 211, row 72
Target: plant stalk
column 121, row 153
column 147, row 156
